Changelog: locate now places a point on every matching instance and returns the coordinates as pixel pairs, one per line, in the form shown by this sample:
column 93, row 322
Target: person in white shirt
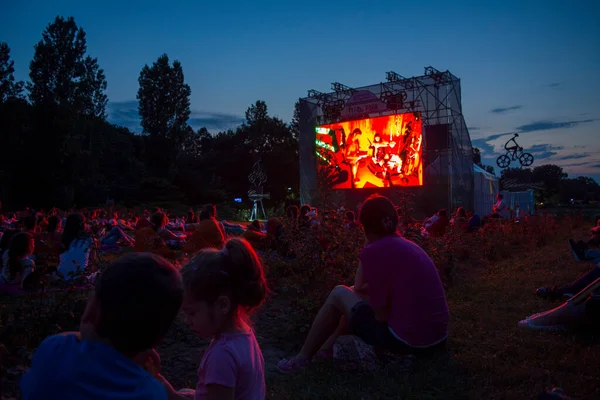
column 501, row 210
column 77, row 247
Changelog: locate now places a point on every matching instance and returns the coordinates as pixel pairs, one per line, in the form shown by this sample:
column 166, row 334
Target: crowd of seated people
column 138, row 296
column 397, row 302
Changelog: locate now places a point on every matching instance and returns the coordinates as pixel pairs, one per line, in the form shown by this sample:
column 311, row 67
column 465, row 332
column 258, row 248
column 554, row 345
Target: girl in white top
column 76, row 247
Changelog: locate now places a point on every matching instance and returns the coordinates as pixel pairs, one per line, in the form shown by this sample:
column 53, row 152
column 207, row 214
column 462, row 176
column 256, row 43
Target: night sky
column 526, row 66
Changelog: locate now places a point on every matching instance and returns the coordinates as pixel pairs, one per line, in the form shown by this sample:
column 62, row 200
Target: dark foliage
column 58, row 149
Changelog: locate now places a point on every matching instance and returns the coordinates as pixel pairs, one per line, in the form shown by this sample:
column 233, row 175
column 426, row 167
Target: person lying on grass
column 222, row 289
column 397, row 302
column 582, row 311
column 132, row 307
column 580, row 253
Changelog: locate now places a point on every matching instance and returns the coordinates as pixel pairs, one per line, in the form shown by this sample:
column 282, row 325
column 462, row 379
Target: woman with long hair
column 76, row 246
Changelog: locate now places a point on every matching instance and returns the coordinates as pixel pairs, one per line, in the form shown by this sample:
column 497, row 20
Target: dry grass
column 493, row 281
column 488, row 357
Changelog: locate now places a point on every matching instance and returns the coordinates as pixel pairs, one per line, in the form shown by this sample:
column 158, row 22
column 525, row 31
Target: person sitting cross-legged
column 397, row 302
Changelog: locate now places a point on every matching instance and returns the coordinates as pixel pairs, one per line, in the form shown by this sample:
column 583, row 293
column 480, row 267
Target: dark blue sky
column 528, row 66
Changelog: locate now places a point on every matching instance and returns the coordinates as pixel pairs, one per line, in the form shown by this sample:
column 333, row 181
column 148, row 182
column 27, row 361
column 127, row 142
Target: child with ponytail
column 221, row 290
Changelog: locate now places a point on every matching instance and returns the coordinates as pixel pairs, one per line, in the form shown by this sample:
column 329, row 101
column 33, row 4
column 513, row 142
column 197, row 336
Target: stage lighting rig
column 333, row 110
column 394, row 100
column 392, row 76
column 440, row 78
column 315, row 94
column 339, row 88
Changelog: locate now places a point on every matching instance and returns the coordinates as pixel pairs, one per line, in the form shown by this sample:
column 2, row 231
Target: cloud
column 554, row 84
column 506, row 109
column 575, row 156
column 483, row 145
column 215, row 121
column 125, row 113
column 595, row 166
column 580, row 164
column 542, row 151
column 497, row 136
column 473, row 128
column 549, row 125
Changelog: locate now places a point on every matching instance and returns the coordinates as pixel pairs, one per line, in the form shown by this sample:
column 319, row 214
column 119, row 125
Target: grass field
column 488, row 356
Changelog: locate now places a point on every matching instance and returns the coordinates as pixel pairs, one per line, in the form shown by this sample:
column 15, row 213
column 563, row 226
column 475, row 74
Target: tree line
column 59, row 150
column 551, row 183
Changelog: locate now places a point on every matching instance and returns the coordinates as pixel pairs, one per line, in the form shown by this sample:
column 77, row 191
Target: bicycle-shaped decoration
column 514, row 152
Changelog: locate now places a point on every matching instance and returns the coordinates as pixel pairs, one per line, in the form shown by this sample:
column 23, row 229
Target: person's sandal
column 292, row 365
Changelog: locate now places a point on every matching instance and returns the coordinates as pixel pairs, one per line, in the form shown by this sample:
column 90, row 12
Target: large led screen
column 373, row 152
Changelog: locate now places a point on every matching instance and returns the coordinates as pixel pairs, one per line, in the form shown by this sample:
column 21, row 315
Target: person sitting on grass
column 131, row 309
column 77, row 247
column 253, row 234
column 16, row 264
column 460, row 220
column 397, row 302
column 47, row 244
column 436, row 225
column 292, row 213
column 116, row 236
column 222, row 289
column 159, row 223
column 351, row 220
column 207, row 233
column 500, row 209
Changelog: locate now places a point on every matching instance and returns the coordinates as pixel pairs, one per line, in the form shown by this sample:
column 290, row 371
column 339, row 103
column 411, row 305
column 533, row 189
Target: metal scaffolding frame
column 435, row 95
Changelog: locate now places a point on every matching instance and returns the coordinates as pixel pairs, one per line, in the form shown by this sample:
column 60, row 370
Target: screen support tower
column 436, row 95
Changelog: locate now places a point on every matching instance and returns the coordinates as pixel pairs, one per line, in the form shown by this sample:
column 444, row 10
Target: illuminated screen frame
column 377, row 152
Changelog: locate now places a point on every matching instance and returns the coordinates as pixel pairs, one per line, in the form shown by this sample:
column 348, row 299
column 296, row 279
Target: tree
column 164, row 100
column 490, row 169
column 476, row 156
column 477, row 161
column 9, row 88
column 62, row 74
column 295, row 124
column 164, row 107
column 550, row 175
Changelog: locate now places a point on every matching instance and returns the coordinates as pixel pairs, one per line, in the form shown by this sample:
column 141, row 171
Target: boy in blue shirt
column 133, row 305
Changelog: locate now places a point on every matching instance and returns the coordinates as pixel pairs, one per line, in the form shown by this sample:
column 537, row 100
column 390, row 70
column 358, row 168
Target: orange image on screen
column 373, row 152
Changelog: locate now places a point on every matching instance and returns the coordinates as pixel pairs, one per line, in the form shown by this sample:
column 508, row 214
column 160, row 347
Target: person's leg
column 118, row 232
column 580, row 284
column 342, row 329
column 338, row 304
column 570, row 313
column 327, row 348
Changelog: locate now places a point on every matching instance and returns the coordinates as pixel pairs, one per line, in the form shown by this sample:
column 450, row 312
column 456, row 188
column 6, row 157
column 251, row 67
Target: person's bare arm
column 218, row 392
